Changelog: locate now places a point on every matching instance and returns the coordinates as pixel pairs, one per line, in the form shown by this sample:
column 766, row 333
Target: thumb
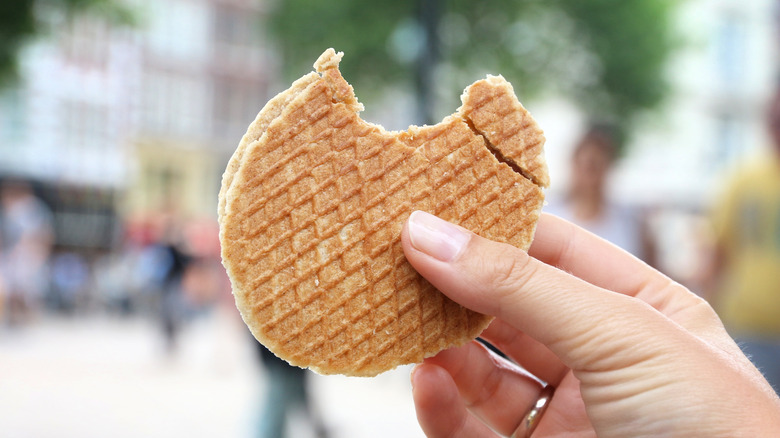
column 584, row 325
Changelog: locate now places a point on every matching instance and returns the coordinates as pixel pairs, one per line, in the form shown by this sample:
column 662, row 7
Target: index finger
column 562, row 244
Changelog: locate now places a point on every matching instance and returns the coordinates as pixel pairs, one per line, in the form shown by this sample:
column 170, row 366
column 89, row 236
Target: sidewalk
column 99, row 377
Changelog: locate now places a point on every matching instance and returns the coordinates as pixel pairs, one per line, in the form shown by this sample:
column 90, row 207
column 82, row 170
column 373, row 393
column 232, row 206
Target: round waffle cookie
column 312, row 206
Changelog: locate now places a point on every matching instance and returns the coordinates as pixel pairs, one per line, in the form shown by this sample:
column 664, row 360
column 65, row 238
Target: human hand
column 628, row 351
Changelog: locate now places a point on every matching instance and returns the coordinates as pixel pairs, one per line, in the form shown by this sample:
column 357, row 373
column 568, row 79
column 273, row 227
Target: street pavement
column 109, row 376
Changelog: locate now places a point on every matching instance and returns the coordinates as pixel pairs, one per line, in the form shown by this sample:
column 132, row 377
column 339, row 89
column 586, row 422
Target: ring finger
column 489, row 384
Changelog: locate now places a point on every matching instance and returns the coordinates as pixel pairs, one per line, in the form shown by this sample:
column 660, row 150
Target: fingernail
column 435, row 237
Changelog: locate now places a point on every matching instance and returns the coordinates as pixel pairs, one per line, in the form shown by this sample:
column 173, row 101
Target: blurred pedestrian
column 27, row 236
column 2, row 301
column 70, row 275
column 745, row 288
column 286, row 391
column 587, row 202
column 173, row 261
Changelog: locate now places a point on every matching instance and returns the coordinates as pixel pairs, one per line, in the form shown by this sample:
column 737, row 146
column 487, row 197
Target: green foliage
column 631, row 39
column 19, row 24
column 609, row 55
column 305, row 28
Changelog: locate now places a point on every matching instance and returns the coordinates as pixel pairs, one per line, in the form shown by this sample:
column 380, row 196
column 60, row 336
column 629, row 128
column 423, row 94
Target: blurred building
column 721, row 80
column 203, row 74
column 721, row 77
column 115, row 120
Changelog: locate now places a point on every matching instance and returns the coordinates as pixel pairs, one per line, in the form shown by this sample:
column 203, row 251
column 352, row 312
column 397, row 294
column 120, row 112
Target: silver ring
column 532, row 418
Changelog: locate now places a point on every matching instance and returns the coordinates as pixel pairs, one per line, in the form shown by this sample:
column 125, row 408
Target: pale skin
column 630, row 352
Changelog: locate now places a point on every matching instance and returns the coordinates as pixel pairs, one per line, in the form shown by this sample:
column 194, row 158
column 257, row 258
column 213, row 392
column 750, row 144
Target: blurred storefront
column 84, row 218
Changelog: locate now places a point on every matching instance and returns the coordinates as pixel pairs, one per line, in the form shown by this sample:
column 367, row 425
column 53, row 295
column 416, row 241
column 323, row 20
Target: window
column 85, row 42
column 232, row 26
column 236, row 104
column 13, row 117
column 730, row 47
column 174, row 104
column 178, row 28
column 728, row 139
column 236, row 35
column 84, row 127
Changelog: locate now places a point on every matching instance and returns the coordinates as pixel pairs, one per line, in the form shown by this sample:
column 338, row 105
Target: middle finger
column 493, row 389
column 529, row 353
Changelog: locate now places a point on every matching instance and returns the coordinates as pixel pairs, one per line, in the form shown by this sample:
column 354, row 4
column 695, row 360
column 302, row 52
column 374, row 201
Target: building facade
column 140, row 118
column 203, row 74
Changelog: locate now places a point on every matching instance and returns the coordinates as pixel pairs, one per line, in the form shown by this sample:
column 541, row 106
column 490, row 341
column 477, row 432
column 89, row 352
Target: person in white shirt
column 587, row 202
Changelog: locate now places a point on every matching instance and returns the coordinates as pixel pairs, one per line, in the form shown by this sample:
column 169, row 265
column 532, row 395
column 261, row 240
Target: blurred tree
column 607, row 54
column 20, row 22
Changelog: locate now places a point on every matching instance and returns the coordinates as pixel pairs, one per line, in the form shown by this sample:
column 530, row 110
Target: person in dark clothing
column 286, row 390
column 171, row 300
column 167, row 262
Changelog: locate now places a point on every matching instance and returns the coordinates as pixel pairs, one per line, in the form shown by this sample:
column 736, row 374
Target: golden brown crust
column 311, row 227
column 494, row 111
column 270, row 111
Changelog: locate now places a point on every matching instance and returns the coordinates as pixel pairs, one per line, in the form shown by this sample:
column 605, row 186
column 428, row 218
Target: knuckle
column 512, row 270
column 702, row 311
column 678, row 302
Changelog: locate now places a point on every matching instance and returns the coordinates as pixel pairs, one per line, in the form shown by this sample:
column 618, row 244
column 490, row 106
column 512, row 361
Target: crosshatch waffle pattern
column 311, row 232
column 495, row 112
column 268, row 114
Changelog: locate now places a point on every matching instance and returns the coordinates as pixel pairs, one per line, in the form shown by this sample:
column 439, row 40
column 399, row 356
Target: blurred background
column 117, row 118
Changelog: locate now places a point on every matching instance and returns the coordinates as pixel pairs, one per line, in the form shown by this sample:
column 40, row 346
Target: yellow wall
column 171, row 177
